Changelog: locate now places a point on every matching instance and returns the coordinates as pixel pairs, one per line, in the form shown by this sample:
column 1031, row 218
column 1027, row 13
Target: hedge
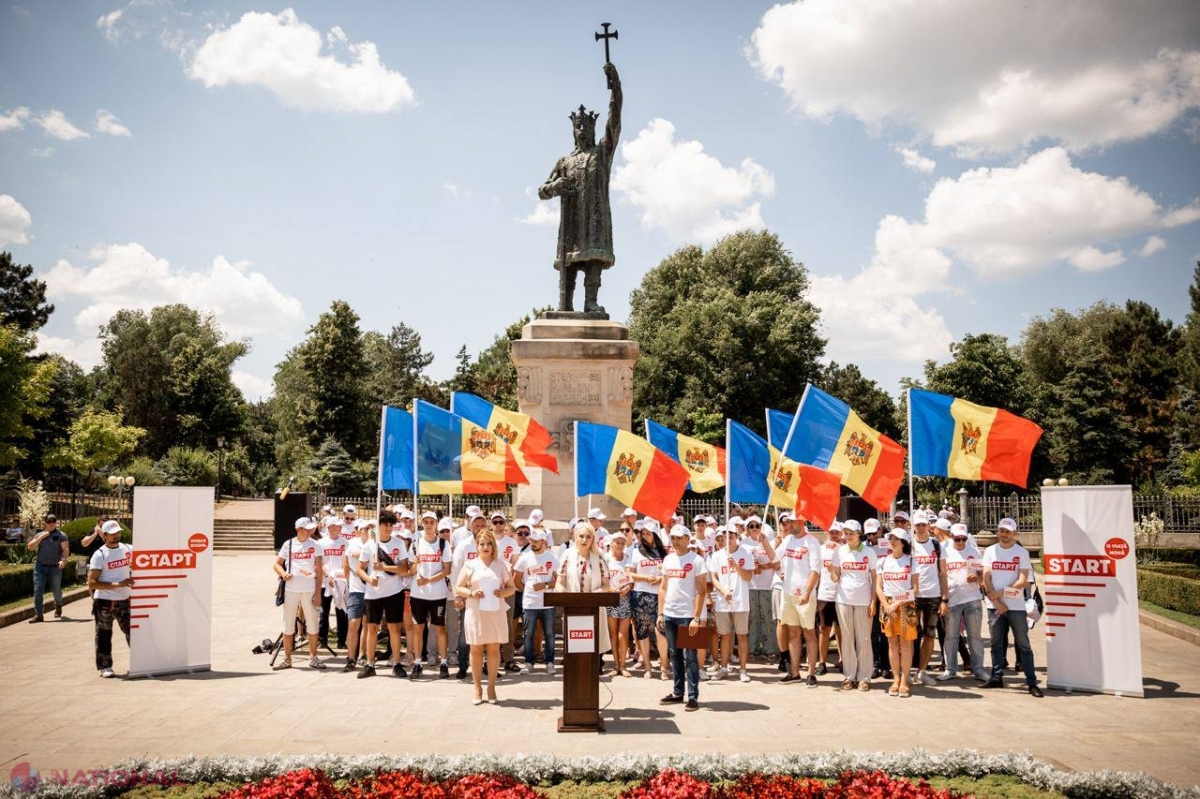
column 1174, row 555
column 16, row 582
column 1168, row 591
column 81, row 528
column 1185, row 570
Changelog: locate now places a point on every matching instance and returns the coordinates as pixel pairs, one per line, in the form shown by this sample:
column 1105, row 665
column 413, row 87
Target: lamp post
column 122, row 484
column 220, row 463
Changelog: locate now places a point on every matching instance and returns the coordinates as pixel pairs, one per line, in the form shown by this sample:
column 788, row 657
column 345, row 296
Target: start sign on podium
column 581, row 634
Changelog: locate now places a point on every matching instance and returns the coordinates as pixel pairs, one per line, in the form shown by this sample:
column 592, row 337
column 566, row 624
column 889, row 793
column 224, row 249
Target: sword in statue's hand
column 606, row 36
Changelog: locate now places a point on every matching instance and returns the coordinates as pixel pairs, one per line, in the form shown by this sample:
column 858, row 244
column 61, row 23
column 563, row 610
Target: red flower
column 394, row 785
column 304, row 783
column 670, row 784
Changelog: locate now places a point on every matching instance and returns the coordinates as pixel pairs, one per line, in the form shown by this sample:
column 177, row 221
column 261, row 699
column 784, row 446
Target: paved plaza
column 58, row 714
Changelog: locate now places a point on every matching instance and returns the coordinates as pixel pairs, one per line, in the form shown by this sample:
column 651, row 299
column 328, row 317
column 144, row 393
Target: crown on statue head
column 584, row 117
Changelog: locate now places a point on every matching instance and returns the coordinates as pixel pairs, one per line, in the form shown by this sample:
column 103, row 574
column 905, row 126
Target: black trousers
column 342, row 623
column 106, row 611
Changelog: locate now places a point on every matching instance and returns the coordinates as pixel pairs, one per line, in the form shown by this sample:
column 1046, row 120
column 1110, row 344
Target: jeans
column 546, row 616
column 42, row 575
column 762, row 626
column 1001, row 623
column 683, row 658
column 972, row 614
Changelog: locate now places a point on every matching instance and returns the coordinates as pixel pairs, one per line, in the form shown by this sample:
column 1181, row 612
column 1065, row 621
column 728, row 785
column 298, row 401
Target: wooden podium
column 581, row 658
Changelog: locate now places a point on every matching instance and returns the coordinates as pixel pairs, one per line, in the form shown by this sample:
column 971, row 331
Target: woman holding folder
column 484, row 582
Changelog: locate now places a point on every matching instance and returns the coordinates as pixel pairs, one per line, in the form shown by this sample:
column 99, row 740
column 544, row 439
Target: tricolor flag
column 705, row 463
column 828, row 434
column 778, row 425
column 748, row 461
column 519, row 430
column 396, row 450
column 813, row 493
column 627, row 468
column 456, row 456
column 955, row 438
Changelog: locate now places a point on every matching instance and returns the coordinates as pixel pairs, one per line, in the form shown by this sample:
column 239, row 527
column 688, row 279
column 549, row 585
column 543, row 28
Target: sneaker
column 946, row 676
column 399, row 670
column 811, row 682
column 107, row 673
column 790, row 678
column 705, row 676
column 417, row 671
column 925, row 679
column 876, row 674
column 691, row 705
column 36, row 619
column 511, row 666
column 993, row 682
column 286, row 663
column 350, row 665
column 528, row 669
column 744, row 677
column 821, row 669
column 58, row 611
column 671, row 699
column 720, row 674
column 367, row 671
column 362, row 661
column 550, row 668
column 316, row 663
column 462, row 674
column 444, row 671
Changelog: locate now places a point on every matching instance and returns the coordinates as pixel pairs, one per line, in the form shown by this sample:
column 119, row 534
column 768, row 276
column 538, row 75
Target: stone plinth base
column 572, row 369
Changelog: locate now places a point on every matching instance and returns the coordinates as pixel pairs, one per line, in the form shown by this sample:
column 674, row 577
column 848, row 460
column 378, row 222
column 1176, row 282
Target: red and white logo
column 198, row 542
column 1079, row 565
column 581, row 635
column 1116, row 548
column 165, row 559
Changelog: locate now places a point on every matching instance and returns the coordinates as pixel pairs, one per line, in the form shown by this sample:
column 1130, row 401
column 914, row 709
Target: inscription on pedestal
column 574, row 388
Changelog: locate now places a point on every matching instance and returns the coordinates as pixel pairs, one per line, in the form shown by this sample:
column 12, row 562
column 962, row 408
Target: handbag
column 282, row 587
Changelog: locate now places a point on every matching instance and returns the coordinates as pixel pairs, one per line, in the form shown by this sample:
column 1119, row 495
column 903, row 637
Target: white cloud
column 544, row 213
column 915, row 161
column 253, row 387
column 107, row 123
column 107, row 24
column 1091, row 259
column 457, row 192
column 686, row 192
column 42, row 152
column 14, row 221
column 87, row 352
column 284, row 55
column 56, row 124
column 990, row 75
column 245, row 303
column 14, row 119
column 1152, row 245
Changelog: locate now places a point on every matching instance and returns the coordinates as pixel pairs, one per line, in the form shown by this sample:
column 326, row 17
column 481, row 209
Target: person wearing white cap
column 853, row 571
column 1006, row 572
column 382, row 566
column 895, row 588
column 333, row 547
column 964, row 573
column 681, row 603
column 648, row 555
column 879, row 645
column 349, row 514
column 800, row 558
column 620, row 562
column 731, row 568
column 356, row 602
column 536, row 573
column 465, row 551
column 110, row 578
column 298, row 564
column 429, row 592
column 762, row 641
column 787, row 522
column 536, row 517
column 933, row 597
column 827, row 618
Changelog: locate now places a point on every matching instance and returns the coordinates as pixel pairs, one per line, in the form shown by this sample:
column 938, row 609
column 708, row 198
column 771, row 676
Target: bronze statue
column 580, row 180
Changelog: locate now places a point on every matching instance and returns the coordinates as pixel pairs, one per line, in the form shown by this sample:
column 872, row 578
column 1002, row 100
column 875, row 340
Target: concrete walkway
column 59, row 714
column 246, row 509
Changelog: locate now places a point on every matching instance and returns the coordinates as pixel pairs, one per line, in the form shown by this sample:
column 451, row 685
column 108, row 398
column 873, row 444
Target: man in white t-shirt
column 428, row 591
column 800, row 558
column 933, row 601
column 333, row 597
column 964, row 574
column 383, row 566
column 827, row 618
column 299, row 564
column 535, row 573
column 356, row 602
column 761, row 641
column 681, row 604
column 110, row 578
column 1006, row 572
column 731, row 568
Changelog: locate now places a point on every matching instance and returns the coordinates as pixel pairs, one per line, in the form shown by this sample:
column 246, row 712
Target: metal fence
column 1179, row 514
column 68, row 507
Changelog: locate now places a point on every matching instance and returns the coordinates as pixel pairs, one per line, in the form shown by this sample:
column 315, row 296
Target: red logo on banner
column 1116, row 548
column 198, row 542
column 585, row 635
column 1079, row 565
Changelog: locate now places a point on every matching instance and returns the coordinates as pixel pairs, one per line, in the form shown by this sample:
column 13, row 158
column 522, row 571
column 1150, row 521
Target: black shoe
column 790, row 678
column 399, row 670
column 784, row 660
column 349, row 665
column 876, row 674
column 820, row 669
column 58, row 611
column 995, row 682
column 838, row 667
column 812, row 681
column 417, row 671
column 691, row 705
column 671, row 699
column 367, row 671
column 462, row 674
column 1035, row 691
column 36, row 619
column 887, row 674
column 443, row 672
column 511, row 666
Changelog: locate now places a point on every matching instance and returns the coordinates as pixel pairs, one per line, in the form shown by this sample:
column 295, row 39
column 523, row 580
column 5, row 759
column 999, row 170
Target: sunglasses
column 626, row 529
column 753, row 526
column 960, row 538
column 497, row 521
column 522, row 535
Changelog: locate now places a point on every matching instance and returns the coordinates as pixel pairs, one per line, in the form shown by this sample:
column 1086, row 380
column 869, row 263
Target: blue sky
column 941, row 168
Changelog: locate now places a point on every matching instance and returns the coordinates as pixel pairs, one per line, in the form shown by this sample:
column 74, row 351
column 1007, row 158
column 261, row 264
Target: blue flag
column 396, row 450
column 778, row 425
column 749, row 463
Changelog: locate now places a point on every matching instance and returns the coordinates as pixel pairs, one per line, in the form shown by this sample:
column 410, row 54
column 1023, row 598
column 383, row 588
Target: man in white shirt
column 681, row 604
column 333, row 547
column 110, row 577
column 1006, row 572
column 933, row 601
column 382, row 566
column 732, row 568
column 800, row 558
column 536, row 573
column 762, row 640
column 428, row 591
column 356, row 602
column 299, row 564
column 964, row 574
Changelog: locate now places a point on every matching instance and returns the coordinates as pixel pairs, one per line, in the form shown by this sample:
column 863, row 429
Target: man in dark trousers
column 52, row 551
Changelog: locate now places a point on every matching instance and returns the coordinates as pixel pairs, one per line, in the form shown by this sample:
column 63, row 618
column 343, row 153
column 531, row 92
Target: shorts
column 797, row 615
column 733, row 622
column 390, row 606
column 827, row 612
column 902, row 624
column 777, row 603
column 356, row 605
column 428, row 611
column 927, row 616
column 623, row 609
column 312, row 617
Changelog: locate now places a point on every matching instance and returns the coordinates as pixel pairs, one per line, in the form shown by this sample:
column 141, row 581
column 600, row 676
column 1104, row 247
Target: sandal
column 847, row 685
column 894, row 689
column 286, row 663
column 904, row 692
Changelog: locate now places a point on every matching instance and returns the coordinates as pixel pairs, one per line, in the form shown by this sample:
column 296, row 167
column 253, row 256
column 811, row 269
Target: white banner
column 171, row 611
column 1093, row 640
column 581, row 634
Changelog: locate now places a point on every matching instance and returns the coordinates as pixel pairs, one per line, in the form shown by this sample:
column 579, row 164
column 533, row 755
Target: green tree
column 24, row 388
column 66, row 397
column 188, row 466
column 397, row 364
column 872, row 403
column 22, row 299
column 171, row 372
column 1191, row 336
column 98, row 439
column 335, row 360
column 332, row 468
column 464, row 378
column 291, row 412
column 1088, row 438
column 727, row 330
column 985, row 370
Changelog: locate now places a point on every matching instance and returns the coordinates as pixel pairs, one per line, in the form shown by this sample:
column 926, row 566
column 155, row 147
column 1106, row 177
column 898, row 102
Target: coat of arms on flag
column 696, row 460
column 482, row 443
column 505, row 433
column 970, row 438
column 859, row 449
column 627, row 468
column 783, row 478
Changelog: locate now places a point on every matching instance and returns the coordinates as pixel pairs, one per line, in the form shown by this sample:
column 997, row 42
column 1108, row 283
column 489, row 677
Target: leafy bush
column 16, row 582
column 143, row 470
column 186, row 466
column 81, row 528
column 1185, row 570
column 1169, row 591
column 1190, row 556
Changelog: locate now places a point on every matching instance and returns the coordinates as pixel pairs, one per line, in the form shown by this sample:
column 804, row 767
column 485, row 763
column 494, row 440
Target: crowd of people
column 459, row 597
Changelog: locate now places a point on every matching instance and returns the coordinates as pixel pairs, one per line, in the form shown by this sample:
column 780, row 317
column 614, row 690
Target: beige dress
column 485, row 626
column 576, row 576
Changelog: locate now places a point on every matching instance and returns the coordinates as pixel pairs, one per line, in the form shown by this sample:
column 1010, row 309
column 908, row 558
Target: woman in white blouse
column 484, row 582
column 584, row 570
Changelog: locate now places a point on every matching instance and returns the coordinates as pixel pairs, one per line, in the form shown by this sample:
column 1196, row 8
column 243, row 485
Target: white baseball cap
column 595, row 513
column 920, row 517
column 871, row 526
column 536, row 516
column 629, row 512
column 616, row 535
column 405, row 533
column 786, row 516
column 306, row 523
column 429, row 515
column 327, row 509
column 900, row 533
column 349, row 509
column 110, row 527
column 735, row 520
column 331, row 521
column 900, row 515
column 959, row 529
column 850, row 525
column 638, row 525
column 498, row 515
column 519, row 523
column 651, row 525
column 942, row 524
column 837, row 526
column 755, row 518
column 473, row 511
column 363, row 524
column 537, row 534
column 445, row 524
column 679, row 531
column 407, row 514
column 1008, row 524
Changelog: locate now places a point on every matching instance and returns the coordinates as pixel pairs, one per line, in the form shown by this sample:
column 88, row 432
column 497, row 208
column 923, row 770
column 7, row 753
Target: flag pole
column 416, row 407
column 908, row 409
column 379, row 476
column 728, row 458
column 575, row 464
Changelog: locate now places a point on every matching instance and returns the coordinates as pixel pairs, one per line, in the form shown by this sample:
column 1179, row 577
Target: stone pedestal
column 571, row 369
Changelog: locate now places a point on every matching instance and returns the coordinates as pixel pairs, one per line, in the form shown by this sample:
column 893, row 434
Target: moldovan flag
column 396, row 450
column 519, row 430
column 828, row 434
column 705, row 463
column 749, row 463
column 955, row 438
column 627, row 468
column 813, row 493
column 455, row 456
column 778, row 425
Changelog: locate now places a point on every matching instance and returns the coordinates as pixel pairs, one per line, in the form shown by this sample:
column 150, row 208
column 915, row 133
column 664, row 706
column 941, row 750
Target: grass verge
column 1173, row 615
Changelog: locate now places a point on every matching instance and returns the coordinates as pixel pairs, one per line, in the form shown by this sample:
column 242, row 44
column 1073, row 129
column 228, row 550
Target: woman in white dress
column 620, row 560
column 584, row 570
column 484, row 582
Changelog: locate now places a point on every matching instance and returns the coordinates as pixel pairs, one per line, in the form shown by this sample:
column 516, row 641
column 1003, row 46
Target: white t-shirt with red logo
column 389, row 584
column 896, row 575
column 354, row 548
column 800, row 557
column 464, row 551
column 761, row 581
column 430, row 557
column 115, row 566
column 680, row 572
column 960, row 564
column 304, row 558
column 723, row 565
column 536, row 567
column 1006, row 566
column 856, row 585
column 508, row 549
column 827, row 589
column 646, row 566
column 925, row 562
column 332, row 550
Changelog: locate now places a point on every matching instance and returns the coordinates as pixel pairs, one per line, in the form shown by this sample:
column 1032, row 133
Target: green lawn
column 1173, row 615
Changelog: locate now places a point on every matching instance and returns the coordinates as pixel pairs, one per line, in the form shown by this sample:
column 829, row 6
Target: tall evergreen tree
column 1089, row 438
column 22, row 298
column 335, row 360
